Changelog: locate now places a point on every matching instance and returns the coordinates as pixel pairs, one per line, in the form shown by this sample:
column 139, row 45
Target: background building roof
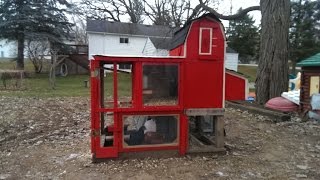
column 103, row 26
column 311, row 61
column 161, row 43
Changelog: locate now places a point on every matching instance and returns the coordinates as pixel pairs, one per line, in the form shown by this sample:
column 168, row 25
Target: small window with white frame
column 124, row 40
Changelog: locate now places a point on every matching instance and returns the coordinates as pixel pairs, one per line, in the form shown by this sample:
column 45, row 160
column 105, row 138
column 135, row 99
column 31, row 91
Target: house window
column 124, row 66
column 124, row 40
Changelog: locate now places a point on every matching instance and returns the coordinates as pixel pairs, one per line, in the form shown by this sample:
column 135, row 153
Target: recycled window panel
column 150, row 130
column 205, row 41
column 160, row 84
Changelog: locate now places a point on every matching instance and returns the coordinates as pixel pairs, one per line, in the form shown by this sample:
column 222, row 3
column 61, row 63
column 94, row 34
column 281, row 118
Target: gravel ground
column 49, row 139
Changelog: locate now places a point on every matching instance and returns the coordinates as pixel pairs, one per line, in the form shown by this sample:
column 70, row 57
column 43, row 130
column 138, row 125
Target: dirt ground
column 49, row 139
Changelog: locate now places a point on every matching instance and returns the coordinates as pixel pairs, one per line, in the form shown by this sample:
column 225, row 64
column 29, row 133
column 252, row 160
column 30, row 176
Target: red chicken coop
column 174, row 103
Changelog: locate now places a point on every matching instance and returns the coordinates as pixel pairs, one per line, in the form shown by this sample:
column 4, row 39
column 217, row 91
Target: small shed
column 310, row 80
column 236, row 86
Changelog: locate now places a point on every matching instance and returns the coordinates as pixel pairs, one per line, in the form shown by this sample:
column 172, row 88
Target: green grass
column 73, row 85
column 70, row 86
column 11, row 64
column 249, row 71
column 39, row 86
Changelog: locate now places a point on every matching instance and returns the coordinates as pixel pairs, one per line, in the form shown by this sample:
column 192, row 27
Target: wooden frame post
column 219, row 131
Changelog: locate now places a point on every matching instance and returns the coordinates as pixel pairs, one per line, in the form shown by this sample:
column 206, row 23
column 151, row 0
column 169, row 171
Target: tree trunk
column 293, row 66
column 272, row 73
column 20, row 58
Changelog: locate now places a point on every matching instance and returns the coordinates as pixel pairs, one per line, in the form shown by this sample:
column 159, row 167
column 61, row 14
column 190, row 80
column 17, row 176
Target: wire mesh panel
column 160, row 84
column 107, row 86
column 150, row 130
column 125, row 85
column 107, row 129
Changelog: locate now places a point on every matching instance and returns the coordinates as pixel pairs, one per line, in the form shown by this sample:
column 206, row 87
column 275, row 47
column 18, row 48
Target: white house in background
column 8, row 49
column 116, row 38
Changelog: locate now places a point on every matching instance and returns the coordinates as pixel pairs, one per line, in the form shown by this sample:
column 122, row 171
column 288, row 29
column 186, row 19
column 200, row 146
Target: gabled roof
column 161, row 43
column 181, row 35
column 102, row 26
column 311, row 61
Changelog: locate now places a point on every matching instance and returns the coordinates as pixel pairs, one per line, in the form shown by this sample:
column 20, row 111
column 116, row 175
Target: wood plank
column 205, row 149
column 204, row 112
column 194, row 139
column 219, row 131
column 277, row 116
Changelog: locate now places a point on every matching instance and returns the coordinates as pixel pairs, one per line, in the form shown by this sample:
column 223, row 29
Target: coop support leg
column 183, row 134
column 219, row 131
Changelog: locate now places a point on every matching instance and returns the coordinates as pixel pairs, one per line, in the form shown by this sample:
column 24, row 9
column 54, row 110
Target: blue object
column 250, row 98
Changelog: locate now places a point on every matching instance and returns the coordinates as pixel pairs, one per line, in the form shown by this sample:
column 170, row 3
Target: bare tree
column 174, row 12
column 134, row 8
column 100, row 9
column 36, row 50
column 272, row 74
column 158, row 11
column 113, row 9
column 79, row 30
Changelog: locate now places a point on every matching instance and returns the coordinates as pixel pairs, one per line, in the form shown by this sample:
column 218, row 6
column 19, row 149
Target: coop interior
column 204, row 133
column 160, row 84
column 143, row 130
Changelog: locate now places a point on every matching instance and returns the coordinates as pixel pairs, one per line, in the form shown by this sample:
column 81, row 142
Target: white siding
column 8, row 49
column 162, row 52
column 110, row 44
column 231, row 61
column 150, row 50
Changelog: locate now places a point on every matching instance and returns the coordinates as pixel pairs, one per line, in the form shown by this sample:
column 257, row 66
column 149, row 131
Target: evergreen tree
column 304, row 30
column 243, row 36
column 33, row 19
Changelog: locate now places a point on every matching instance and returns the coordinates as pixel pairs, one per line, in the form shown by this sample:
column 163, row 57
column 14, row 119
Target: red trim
column 115, row 86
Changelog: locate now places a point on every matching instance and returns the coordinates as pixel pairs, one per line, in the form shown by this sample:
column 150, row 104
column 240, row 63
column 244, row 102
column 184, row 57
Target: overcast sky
column 224, row 8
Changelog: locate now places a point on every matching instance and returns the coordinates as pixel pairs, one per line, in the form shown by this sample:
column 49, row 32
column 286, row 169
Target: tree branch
column 229, row 17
